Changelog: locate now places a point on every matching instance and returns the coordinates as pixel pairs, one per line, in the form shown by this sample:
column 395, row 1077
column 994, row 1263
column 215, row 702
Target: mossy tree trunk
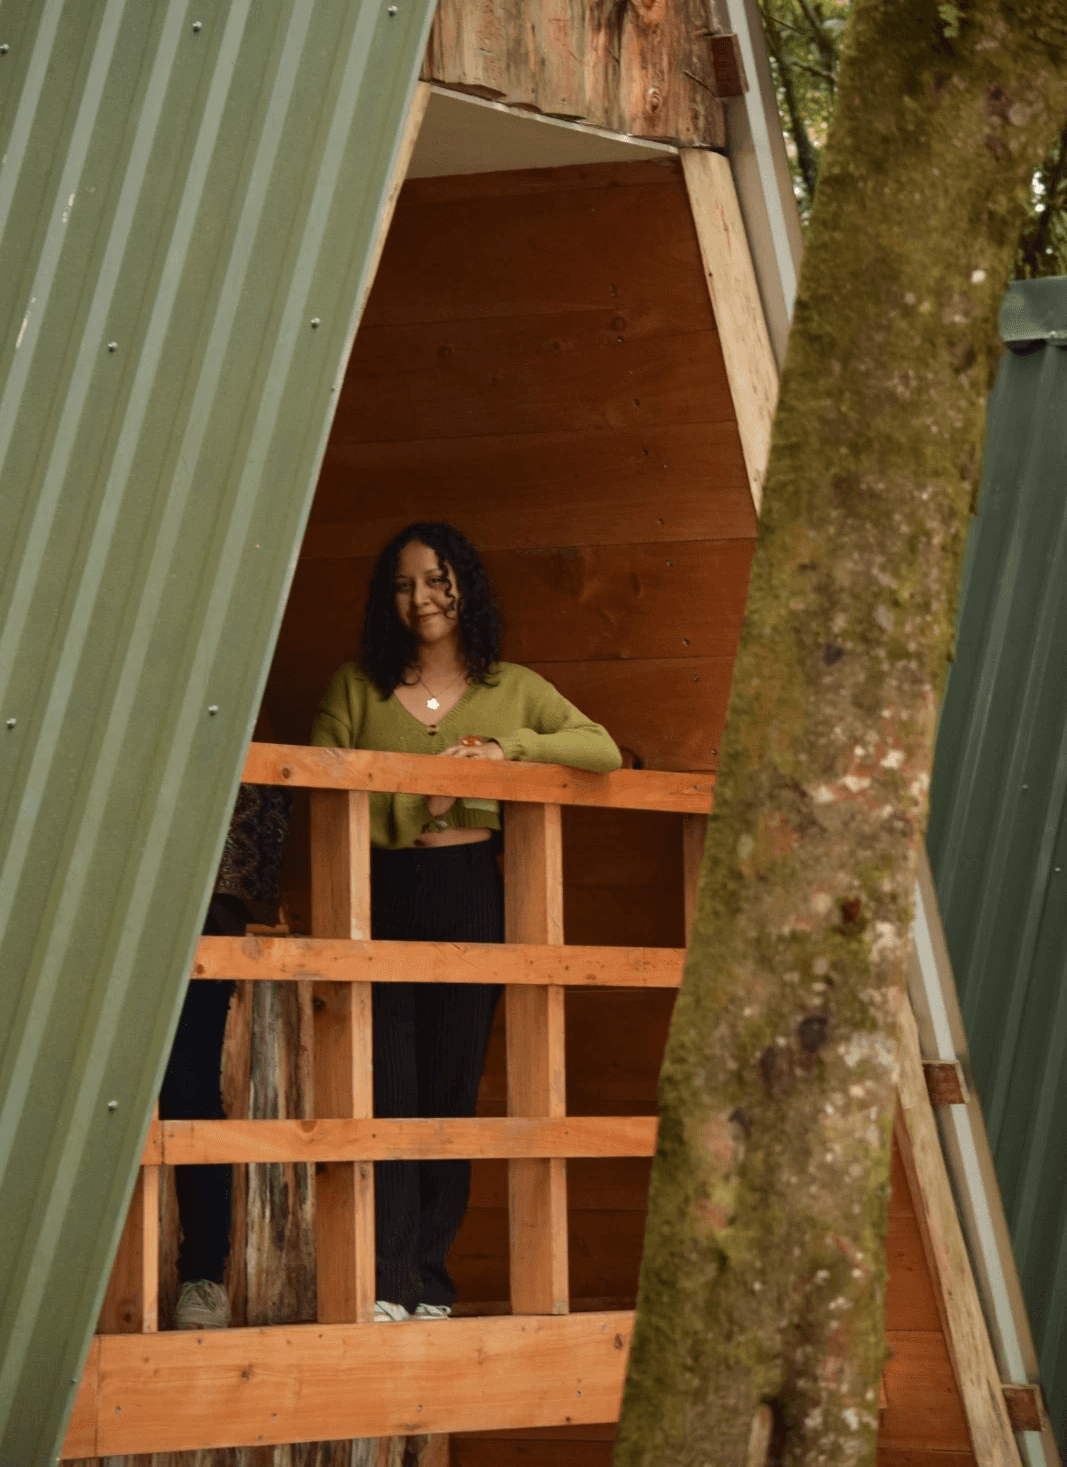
column 764, row 1271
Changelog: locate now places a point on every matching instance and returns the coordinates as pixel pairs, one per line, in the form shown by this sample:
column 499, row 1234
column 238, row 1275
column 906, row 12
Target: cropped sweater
column 523, row 712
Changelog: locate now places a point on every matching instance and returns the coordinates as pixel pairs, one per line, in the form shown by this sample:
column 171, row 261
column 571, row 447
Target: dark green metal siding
column 998, row 820
column 197, row 184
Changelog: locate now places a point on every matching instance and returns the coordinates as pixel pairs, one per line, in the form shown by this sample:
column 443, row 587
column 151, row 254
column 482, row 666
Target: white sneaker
column 386, row 1313
column 432, row 1311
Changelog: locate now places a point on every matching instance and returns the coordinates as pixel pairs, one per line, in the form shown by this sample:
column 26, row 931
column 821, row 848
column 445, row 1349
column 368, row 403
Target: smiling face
column 427, row 599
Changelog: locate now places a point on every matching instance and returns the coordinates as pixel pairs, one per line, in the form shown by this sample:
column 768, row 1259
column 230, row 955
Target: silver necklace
column 432, row 702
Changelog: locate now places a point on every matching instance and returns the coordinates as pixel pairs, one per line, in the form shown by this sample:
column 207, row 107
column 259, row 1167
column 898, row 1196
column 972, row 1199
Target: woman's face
column 427, row 599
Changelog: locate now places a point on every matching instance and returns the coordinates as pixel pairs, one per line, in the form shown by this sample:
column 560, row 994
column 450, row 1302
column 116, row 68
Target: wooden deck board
column 187, row 1392
column 336, row 960
column 207, row 1143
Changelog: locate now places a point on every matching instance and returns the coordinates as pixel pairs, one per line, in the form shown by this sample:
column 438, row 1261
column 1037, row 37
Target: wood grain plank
column 536, row 1072
column 80, row 1440
column 339, row 961
column 191, row 1143
column 344, row 1190
column 131, row 1300
column 746, row 346
column 923, row 1405
column 521, row 378
column 667, row 483
column 339, row 769
column 968, row 1346
column 544, row 242
column 646, row 73
column 586, row 602
column 669, row 711
column 188, row 1392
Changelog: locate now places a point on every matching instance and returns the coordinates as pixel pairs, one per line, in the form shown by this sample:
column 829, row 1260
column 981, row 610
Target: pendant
column 432, row 703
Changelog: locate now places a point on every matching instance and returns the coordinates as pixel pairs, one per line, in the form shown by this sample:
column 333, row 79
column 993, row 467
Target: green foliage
column 804, row 44
column 1043, row 244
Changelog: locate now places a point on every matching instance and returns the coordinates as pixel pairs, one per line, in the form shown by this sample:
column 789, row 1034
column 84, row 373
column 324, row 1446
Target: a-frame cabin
column 570, row 350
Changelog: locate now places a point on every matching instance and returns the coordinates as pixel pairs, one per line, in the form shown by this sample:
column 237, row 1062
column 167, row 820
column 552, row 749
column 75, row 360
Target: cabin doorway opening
column 538, row 363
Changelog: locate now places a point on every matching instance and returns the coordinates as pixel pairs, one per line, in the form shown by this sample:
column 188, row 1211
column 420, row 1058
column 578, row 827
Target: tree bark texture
column 761, row 1295
column 642, row 67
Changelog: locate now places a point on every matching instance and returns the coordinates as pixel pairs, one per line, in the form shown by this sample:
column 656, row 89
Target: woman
column 430, row 681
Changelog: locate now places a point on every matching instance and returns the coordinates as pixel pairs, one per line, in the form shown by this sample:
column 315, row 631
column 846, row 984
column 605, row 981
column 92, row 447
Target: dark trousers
column 429, row 1047
column 190, row 1092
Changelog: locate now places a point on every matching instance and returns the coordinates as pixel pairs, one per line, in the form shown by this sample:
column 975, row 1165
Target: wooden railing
column 294, row 1383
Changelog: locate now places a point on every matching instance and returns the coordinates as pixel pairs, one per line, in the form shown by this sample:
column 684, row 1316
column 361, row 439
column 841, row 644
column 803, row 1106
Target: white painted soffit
column 464, row 134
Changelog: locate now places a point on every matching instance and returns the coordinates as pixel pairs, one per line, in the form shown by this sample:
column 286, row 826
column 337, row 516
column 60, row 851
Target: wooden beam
column 340, row 769
column 80, row 1440
column 965, row 1329
column 193, row 1143
column 131, row 1302
column 735, row 299
column 344, row 1190
column 536, row 1075
column 184, row 1391
column 340, row 961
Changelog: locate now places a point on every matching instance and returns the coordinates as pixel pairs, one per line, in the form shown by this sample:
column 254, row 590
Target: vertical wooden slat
column 344, row 1192
column 694, row 829
column 131, row 1302
column 537, row 1190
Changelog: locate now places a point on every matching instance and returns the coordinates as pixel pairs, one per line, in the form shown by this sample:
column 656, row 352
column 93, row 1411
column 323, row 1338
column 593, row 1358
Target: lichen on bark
column 764, row 1268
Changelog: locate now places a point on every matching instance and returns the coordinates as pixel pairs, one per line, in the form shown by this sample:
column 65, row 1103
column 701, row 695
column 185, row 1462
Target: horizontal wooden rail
column 194, row 1143
column 185, row 1392
column 426, row 774
column 339, row 960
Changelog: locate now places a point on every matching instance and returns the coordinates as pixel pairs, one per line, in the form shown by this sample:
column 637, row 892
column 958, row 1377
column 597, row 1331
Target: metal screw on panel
column 112, row 346
column 314, row 320
column 392, row 10
column 198, row 25
column 11, row 723
column 4, row 48
column 112, row 1105
column 213, row 709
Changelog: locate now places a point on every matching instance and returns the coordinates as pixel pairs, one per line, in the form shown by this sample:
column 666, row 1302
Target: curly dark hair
column 388, row 649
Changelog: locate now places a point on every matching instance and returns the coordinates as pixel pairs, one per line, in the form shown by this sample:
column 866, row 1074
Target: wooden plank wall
column 538, row 363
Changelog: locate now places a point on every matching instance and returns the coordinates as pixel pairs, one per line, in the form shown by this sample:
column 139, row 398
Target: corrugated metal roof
column 189, row 201
column 998, row 834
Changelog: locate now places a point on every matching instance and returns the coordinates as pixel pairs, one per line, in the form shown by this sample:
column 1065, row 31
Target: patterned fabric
column 255, row 844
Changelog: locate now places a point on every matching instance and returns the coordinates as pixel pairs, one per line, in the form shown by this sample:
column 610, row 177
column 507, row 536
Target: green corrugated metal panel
column 196, row 184
column 998, row 818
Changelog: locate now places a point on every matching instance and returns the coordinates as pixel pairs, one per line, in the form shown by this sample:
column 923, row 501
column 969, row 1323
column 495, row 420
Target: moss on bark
column 764, row 1268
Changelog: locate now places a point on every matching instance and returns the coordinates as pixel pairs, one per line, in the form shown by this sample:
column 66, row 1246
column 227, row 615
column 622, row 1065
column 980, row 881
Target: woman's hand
column 490, row 749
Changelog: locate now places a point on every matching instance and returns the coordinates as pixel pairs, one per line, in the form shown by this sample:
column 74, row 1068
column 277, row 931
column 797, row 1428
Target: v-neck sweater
column 522, row 711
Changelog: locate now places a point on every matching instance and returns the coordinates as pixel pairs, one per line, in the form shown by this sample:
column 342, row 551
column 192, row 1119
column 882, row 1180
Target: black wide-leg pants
column 429, row 1047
